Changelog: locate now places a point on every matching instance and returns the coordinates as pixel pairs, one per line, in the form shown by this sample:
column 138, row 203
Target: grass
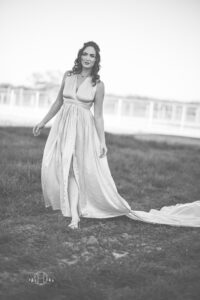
column 115, row 258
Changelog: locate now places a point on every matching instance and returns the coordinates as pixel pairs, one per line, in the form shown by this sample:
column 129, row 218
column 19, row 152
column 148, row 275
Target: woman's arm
column 53, row 110
column 56, row 105
column 98, row 116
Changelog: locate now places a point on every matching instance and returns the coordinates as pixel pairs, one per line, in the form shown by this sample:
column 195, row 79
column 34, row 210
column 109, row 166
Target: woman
column 75, row 174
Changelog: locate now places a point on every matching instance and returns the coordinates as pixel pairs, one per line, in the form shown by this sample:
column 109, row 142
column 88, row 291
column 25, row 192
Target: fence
column 123, row 115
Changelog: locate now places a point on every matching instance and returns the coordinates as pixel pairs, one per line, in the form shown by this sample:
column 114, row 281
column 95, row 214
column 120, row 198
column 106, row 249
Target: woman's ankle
column 75, row 217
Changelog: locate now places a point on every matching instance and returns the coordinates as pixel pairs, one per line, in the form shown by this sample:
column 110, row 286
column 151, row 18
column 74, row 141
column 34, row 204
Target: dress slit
column 74, row 174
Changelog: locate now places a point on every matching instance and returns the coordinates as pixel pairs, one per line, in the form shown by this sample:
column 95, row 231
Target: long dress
column 73, row 142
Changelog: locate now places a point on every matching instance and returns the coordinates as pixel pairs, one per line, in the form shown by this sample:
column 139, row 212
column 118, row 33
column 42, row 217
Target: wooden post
column 12, row 97
column 37, row 97
column 119, row 108
column 21, row 96
column 183, row 117
column 150, row 116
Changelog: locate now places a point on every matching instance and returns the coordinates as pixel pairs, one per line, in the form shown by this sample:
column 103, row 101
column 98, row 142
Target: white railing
column 124, row 115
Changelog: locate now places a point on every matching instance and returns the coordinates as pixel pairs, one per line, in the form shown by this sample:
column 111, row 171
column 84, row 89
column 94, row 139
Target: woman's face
column 88, row 57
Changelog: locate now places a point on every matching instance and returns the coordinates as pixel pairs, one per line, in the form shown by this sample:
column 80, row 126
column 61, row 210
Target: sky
column 149, row 48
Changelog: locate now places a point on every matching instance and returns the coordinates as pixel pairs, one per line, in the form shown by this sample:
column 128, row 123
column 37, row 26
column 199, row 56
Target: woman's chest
column 80, row 89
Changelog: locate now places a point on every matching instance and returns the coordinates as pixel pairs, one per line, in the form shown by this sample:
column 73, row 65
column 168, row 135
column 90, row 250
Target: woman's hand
column 103, row 150
column 37, row 129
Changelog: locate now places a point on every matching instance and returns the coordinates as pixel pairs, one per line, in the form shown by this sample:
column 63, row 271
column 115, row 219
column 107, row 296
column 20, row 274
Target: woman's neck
column 85, row 72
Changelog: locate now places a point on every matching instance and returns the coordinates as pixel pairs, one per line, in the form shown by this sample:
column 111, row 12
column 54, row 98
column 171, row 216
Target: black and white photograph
column 100, row 150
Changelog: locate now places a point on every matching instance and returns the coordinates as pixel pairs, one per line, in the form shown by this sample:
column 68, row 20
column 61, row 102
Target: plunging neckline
column 77, row 88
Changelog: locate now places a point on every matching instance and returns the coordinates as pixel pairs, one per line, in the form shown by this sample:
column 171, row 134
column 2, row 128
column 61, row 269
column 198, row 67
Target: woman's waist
column 84, row 104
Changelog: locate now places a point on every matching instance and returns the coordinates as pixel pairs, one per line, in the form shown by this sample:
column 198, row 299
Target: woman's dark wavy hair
column 77, row 68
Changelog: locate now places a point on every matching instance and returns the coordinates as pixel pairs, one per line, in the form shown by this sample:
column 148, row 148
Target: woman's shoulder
column 100, row 89
column 100, row 85
column 68, row 73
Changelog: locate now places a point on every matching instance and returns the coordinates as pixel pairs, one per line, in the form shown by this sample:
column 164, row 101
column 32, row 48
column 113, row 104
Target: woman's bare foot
column 74, row 223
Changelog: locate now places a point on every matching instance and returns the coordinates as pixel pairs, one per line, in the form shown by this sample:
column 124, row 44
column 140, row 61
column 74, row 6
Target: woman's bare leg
column 73, row 194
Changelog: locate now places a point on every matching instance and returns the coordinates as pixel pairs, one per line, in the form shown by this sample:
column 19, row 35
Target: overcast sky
column 148, row 47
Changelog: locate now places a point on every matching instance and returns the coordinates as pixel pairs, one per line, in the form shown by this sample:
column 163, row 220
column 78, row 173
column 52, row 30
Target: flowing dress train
column 72, row 147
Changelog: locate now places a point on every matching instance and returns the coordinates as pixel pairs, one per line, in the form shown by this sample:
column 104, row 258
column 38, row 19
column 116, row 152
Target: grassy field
column 107, row 259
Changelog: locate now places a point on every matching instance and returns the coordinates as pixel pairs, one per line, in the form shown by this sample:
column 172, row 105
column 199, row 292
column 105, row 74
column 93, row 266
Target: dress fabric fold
column 73, row 139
